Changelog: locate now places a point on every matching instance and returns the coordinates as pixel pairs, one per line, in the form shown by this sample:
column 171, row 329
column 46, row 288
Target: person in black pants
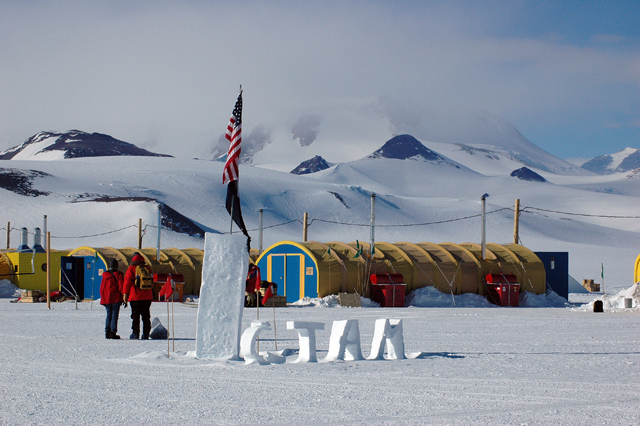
column 139, row 299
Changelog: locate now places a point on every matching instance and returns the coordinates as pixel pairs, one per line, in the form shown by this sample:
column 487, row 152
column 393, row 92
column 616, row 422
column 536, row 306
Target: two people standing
column 135, row 288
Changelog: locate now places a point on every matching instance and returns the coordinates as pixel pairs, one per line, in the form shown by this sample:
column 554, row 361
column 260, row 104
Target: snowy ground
column 526, row 366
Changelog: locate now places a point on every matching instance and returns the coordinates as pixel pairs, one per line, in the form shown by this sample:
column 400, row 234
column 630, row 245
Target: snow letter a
column 389, row 332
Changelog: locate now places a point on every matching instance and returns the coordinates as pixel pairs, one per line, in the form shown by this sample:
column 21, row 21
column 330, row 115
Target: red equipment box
column 388, row 295
column 503, row 289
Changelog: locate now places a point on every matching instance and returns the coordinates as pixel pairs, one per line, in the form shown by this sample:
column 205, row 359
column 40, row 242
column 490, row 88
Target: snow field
column 474, row 366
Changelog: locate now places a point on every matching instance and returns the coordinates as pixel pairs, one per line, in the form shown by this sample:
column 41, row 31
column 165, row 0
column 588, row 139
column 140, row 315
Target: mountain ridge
column 622, row 161
column 49, row 145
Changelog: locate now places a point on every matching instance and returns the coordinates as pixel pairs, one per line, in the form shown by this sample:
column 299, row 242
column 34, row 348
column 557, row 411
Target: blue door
column 93, row 269
column 276, row 272
column 292, row 283
column 284, row 270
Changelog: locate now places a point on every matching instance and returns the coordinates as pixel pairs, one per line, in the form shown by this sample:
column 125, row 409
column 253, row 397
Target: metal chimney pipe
column 37, row 241
column 24, row 240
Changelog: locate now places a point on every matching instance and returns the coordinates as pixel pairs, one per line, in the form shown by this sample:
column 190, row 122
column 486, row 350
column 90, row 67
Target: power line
column 97, row 235
column 276, row 225
column 410, row 224
column 524, row 209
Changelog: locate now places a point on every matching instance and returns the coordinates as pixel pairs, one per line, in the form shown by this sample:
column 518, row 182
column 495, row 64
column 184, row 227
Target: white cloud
column 166, row 74
column 607, row 38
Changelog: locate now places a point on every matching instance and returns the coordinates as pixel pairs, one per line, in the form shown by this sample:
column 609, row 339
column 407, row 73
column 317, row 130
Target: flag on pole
column 234, row 135
column 267, row 295
column 233, row 206
column 167, row 289
column 231, row 172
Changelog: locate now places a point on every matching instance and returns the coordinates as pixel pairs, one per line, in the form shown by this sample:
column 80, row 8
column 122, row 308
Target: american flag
column 234, row 135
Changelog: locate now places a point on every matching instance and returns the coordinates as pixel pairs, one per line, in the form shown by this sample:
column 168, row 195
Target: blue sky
column 164, row 74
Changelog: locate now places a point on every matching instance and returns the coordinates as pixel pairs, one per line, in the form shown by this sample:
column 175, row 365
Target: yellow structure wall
column 30, row 270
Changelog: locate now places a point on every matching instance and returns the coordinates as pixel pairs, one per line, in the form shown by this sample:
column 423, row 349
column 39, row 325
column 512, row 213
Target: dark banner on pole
column 233, row 207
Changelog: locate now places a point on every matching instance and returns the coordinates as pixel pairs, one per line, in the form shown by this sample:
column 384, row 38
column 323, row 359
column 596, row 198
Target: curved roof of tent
column 198, row 257
column 448, row 275
column 528, row 268
column 353, row 267
column 6, row 270
column 512, row 259
column 378, row 264
column 328, row 264
column 399, row 262
column 426, row 270
column 105, row 254
column 470, row 277
column 185, row 265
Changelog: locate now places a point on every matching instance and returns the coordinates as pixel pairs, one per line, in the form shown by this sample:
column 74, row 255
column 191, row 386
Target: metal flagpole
column 258, row 316
column 260, row 222
column 168, row 322
column 275, row 331
column 233, row 200
column 173, row 316
column 48, row 270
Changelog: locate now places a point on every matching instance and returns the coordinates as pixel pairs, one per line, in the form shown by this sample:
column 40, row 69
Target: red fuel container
column 388, row 295
column 503, row 289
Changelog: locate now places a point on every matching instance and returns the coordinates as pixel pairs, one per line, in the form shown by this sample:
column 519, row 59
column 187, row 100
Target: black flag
column 233, row 207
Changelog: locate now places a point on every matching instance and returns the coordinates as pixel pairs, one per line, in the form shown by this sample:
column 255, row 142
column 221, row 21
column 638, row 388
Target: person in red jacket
column 111, row 298
column 252, row 285
column 139, row 299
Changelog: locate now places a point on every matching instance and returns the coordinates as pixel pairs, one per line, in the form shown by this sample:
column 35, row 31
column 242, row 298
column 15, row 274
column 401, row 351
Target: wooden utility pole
column 516, row 223
column 305, row 222
column 139, row 233
column 8, row 235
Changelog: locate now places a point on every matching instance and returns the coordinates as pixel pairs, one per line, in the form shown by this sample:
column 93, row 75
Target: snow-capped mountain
column 343, row 135
column 313, row 165
column 406, row 147
column 421, row 195
column 72, row 144
column 527, row 174
column 622, row 161
column 477, row 133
